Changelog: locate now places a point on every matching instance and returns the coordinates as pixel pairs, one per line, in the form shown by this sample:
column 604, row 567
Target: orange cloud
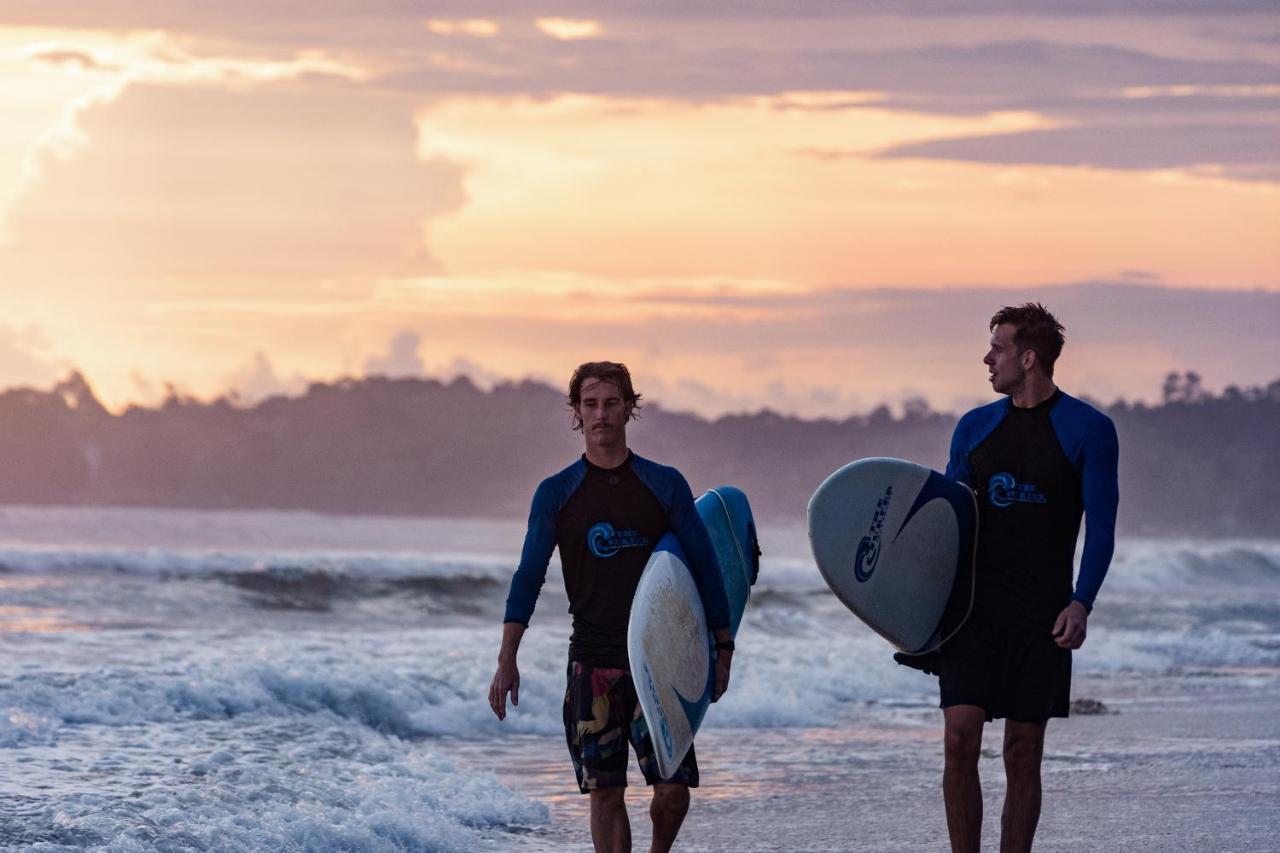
column 569, row 29
column 469, row 26
column 626, row 188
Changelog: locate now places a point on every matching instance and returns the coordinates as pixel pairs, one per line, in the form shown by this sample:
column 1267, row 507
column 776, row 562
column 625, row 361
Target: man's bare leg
column 610, row 829
column 961, row 788
column 1023, row 750
column 667, row 810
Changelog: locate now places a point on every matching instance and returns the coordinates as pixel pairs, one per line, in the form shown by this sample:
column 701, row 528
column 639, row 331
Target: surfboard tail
column 895, row 541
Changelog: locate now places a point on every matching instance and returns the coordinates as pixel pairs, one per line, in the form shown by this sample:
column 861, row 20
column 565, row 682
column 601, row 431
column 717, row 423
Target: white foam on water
column 1207, row 566
column 423, row 684
column 20, row 727
column 1150, row 564
column 434, row 683
column 262, row 741
column 169, row 543
column 817, row 670
column 1112, row 650
column 309, row 794
column 803, row 660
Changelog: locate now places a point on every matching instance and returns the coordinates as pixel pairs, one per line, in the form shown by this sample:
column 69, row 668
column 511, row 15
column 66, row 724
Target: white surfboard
column 895, row 541
column 668, row 641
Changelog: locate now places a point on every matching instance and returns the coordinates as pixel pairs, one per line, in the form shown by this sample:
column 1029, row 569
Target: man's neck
column 607, row 457
column 1034, row 391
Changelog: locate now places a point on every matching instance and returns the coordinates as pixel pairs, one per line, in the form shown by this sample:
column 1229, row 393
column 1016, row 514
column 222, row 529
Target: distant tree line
column 1195, row 464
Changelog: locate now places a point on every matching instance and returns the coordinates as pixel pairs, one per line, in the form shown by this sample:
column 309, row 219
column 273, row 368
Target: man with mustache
column 606, row 512
column 1038, row 460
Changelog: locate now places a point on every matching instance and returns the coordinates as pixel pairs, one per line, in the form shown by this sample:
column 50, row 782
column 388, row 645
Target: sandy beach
column 1166, row 769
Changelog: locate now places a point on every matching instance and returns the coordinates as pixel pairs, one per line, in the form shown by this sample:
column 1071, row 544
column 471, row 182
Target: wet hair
column 603, row 371
column 1035, row 329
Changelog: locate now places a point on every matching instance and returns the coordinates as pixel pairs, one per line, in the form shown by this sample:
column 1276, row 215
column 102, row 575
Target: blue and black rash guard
column 1035, row 471
column 606, row 523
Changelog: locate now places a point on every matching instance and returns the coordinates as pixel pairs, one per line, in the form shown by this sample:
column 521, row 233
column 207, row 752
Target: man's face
column 603, row 412
column 1004, row 363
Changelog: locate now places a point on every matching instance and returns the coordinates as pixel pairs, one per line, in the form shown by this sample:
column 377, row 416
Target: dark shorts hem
column 1012, row 718
column 1011, row 673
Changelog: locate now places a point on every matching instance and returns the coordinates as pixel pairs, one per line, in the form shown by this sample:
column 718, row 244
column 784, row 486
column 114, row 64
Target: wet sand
column 1183, row 763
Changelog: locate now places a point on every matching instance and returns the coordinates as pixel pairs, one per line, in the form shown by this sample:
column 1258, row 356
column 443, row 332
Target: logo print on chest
column 1004, row 491
column 604, row 541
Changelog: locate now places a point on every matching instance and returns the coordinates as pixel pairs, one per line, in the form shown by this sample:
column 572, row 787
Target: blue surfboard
column 668, row 641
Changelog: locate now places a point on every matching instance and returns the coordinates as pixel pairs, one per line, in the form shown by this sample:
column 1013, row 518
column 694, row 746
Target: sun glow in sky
column 805, row 210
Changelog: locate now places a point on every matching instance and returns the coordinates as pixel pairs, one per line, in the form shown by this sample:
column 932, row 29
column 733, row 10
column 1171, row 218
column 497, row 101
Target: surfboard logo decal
column 868, row 553
column 604, row 541
column 1004, row 491
column 664, row 729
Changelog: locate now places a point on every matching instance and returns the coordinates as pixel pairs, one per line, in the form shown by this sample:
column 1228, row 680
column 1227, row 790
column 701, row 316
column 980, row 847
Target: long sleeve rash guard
column 1035, row 472
column 606, row 523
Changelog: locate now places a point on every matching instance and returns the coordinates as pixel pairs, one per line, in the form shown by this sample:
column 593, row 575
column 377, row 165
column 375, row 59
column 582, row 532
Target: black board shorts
column 601, row 717
column 1009, row 672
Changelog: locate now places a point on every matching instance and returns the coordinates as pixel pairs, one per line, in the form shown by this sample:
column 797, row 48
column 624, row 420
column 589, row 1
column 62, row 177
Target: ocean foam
column 373, row 798
column 1202, row 565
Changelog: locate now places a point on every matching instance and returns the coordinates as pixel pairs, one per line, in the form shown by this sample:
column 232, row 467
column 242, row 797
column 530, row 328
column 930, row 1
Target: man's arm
column 1099, row 478
column 526, row 583
column 539, row 542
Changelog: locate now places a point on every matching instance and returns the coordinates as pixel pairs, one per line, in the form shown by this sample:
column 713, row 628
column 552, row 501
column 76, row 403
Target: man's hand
column 505, row 680
column 1071, row 626
column 724, row 660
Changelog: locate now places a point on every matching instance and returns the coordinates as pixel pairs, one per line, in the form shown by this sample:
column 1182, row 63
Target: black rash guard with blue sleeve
column 606, row 523
column 1035, row 471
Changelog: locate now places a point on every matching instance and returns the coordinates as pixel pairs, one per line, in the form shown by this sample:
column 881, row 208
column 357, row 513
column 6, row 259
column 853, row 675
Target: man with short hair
column 1037, row 459
column 606, row 512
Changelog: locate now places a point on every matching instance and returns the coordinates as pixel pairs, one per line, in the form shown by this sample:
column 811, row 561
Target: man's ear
column 1027, row 358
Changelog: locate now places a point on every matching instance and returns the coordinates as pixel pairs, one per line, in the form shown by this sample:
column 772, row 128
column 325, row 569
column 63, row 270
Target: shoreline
column 1165, row 770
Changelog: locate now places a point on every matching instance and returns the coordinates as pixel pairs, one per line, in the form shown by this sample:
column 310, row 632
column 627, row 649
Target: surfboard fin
column 926, row 663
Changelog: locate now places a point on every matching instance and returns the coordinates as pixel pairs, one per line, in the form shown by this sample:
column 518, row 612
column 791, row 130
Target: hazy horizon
column 1227, row 338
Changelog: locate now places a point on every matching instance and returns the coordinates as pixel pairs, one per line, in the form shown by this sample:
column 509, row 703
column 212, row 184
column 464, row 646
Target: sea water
column 183, row 680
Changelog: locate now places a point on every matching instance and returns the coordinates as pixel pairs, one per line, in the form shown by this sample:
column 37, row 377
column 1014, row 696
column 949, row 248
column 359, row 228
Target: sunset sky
column 805, row 205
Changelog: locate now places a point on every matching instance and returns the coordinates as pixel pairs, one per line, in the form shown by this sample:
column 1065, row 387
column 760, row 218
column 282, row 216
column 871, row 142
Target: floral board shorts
column 601, row 716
